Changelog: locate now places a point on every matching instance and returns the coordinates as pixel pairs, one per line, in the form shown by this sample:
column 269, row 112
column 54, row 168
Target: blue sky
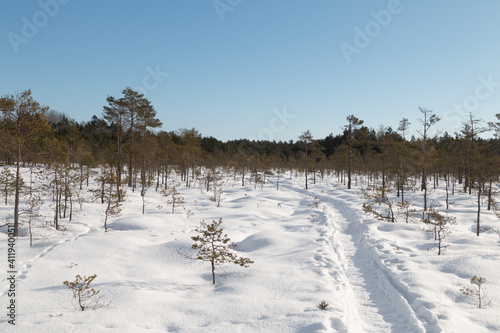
column 259, row 69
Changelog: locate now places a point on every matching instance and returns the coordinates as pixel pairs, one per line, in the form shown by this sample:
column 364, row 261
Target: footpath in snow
column 370, row 300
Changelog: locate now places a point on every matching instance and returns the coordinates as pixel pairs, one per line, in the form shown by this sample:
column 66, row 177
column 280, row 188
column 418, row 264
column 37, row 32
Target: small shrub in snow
column 218, row 195
column 378, row 197
column 404, row 209
column 7, row 184
column 72, row 265
column 475, row 290
column 215, row 247
column 315, row 203
column 323, row 305
column 109, row 194
column 175, row 198
column 312, row 217
column 439, row 225
column 85, row 297
column 31, row 212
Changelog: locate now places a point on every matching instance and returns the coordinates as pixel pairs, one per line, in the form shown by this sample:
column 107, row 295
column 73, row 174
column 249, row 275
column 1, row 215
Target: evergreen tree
column 307, row 138
column 28, row 117
column 7, row 183
column 215, row 247
column 110, row 196
column 140, row 115
column 427, row 122
column 114, row 115
column 439, row 226
column 352, row 125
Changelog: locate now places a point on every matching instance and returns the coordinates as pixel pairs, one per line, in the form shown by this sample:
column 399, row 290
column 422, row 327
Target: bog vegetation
column 132, row 154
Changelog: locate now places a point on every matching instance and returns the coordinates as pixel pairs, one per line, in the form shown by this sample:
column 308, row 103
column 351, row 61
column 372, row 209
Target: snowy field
column 307, row 246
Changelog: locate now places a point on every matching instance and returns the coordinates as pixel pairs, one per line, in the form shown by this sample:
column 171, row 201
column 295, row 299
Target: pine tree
column 7, row 183
column 476, row 290
column 140, row 115
column 109, row 195
column 307, row 138
column 352, row 125
column 114, row 114
column 85, row 297
column 404, row 125
column 495, row 126
column 429, row 120
column 28, row 119
column 175, row 200
column 215, row 247
column 191, row 148
column 439, row 226
column 378, row 196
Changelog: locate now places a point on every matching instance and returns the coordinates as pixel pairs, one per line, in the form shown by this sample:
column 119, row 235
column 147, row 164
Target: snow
column 376, row 276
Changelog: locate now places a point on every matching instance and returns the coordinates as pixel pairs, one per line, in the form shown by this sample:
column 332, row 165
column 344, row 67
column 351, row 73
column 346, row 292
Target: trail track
column 373, row 300
column 24, row 267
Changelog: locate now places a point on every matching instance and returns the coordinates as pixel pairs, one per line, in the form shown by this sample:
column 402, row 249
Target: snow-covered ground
column 307, row 246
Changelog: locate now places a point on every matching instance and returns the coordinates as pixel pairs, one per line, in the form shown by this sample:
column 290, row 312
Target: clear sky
column 258, row 69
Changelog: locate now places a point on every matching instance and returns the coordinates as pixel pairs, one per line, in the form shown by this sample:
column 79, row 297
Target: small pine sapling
column 109, row 194
column 32, row 211
column 439, row 225
column 175, row 198
column 475, row 290
column 378, row 196
column 315, row 203
column 323, row 305
column 7, row 183
column 85, row 297
column 405, row 210
column 212, row 176
column 312, row 217
column 215, row 247
column 218, row 195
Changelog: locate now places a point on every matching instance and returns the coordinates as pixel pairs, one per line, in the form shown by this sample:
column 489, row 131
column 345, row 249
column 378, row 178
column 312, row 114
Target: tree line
column 125, row 139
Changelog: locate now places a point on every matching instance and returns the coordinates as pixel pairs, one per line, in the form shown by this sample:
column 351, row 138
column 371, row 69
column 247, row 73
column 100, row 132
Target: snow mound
column 128, row 224
column 258, row 241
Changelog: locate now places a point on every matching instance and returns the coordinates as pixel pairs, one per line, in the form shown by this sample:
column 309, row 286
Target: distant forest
column 126, row 139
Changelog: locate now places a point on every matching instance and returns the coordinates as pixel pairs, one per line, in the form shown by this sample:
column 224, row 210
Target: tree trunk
column 118, row 163
column 243, row 177
column 70, row 208
column 16, row 198
column 81, row 176
column 349, row 167
column 213, row 270
column 489, row 194
column 478, row 206
column 56, row 216
column 447, row 186
column 130, row 168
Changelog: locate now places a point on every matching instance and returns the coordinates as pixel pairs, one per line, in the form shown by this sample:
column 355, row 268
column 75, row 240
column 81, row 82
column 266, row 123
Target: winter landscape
column 283, row 166
column 307, row 246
